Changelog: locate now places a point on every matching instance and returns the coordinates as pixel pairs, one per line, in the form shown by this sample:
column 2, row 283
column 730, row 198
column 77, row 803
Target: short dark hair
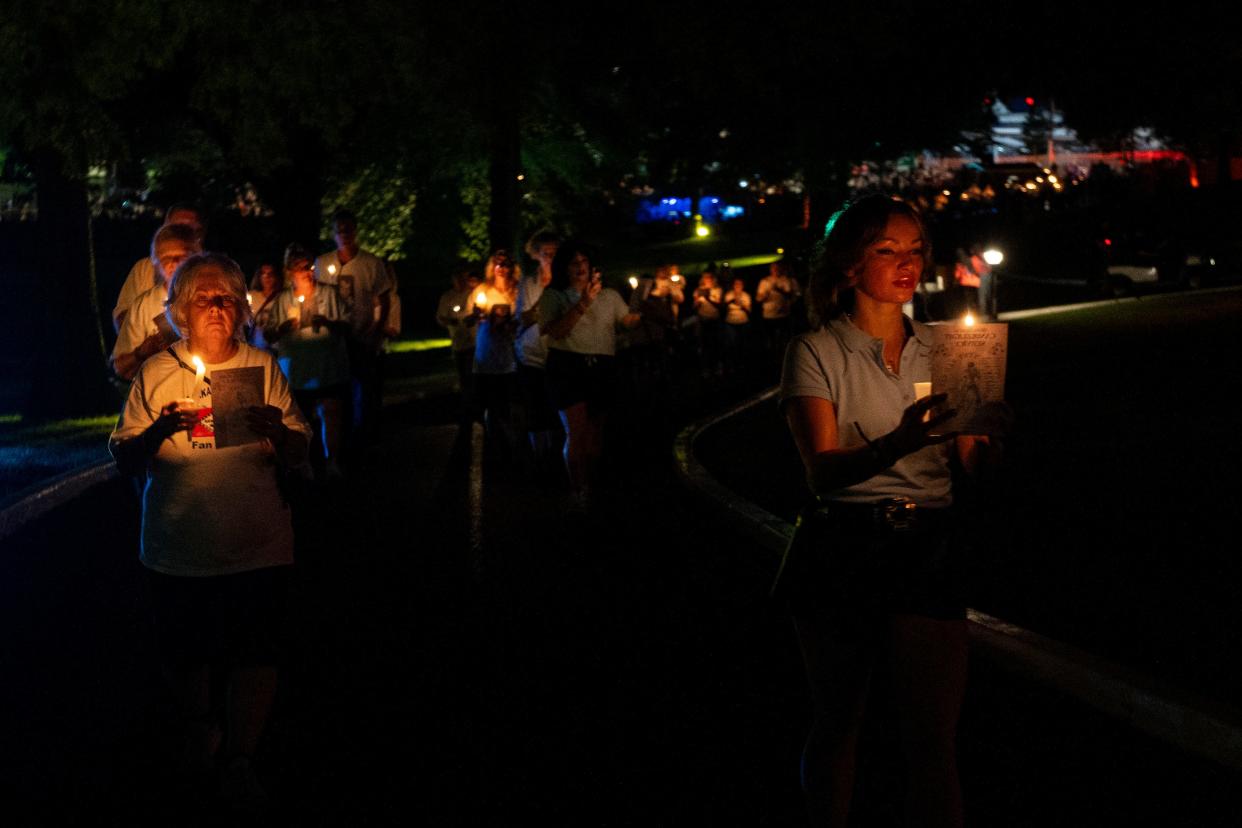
column 343, row 215
column 560, row 263
column 846, row 237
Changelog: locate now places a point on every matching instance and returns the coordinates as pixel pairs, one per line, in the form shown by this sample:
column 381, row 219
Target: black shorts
column 844, row 560
column 538, row 411
column 222, row 619
column 581, row 378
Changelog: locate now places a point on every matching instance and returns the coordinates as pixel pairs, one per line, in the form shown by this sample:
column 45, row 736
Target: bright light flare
column 993, row 256
column 968, row 320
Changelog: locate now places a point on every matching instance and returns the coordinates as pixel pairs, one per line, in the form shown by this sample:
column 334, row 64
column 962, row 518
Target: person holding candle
column 455, row 312
column 366, row 286
column 265, row 286
column 531, row 346
column 495, row 362
column 143, row 276
column 217, row 537
column 144, row 331
column 580, row 317
column 873, row 574
column 307, row 328
column 776, row 294
column 737, row 320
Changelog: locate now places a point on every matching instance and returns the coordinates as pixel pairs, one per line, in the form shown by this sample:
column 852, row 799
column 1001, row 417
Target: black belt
column 893, row 514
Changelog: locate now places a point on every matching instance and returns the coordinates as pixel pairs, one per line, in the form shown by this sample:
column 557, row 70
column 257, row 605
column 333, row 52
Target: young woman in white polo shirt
column 873, row 576
column 580, row 318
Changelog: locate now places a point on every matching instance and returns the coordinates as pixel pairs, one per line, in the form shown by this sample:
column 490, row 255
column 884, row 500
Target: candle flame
column 301, row 298
column 480, row 298
column 968, row 320
column 249, row 299
column 331, row 270
column 676, row 277
column 456, row 308
column 199, row 368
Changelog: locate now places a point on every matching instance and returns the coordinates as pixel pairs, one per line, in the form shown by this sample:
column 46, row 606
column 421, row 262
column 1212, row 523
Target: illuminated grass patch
column 405, row 346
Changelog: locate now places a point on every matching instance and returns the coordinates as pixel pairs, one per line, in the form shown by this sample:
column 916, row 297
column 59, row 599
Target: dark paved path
column 464, row 650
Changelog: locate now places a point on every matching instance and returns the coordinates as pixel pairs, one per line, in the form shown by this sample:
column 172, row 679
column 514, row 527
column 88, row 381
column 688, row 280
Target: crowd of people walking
column 548, row 355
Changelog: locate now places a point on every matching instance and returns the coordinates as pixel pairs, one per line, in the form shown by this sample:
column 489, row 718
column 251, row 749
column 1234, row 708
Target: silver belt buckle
column 897, row 514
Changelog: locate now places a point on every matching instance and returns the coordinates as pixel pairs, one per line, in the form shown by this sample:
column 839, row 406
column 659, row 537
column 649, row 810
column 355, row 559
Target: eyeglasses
column 223, row 301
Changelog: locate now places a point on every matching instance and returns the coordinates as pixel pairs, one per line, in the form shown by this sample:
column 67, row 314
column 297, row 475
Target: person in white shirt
column 708, row 299
column 217, row 534
column 542, row 423
column 307, row 329
column 580, row 317
column 737, row 323
column 776, row 294
column 455, row 313
column 365, row 286
column 142, row 276
column 145, row 331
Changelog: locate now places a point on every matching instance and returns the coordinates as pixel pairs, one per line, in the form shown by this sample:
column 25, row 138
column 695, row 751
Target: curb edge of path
column 1174, row 714
column 45, row 496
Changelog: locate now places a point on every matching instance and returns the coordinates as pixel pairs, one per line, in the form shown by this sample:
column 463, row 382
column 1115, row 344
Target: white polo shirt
column 845, row 365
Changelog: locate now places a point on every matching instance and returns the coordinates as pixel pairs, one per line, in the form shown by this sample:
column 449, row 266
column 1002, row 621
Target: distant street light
column 993, row 256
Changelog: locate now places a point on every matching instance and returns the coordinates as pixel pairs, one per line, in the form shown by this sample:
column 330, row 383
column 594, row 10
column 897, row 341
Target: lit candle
column 969, row 319
column 249, row 300
column 295, row 313
column 331, row 270
column 200, row 370
column 480, row 300
column 675, row 278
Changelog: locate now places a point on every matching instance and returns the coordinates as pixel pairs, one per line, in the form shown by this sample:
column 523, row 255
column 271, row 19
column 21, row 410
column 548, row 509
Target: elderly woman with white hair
column 217, row 535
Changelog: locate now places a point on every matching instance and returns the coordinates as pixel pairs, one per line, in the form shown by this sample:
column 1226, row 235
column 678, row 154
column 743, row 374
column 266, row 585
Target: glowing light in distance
column 634, row 282
column 743, row 183
column 331, row 270
column 993, row 256
column 675, row 278
column 702, row 231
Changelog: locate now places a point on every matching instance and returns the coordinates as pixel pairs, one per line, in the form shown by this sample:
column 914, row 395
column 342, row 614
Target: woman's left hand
column 266, row 421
